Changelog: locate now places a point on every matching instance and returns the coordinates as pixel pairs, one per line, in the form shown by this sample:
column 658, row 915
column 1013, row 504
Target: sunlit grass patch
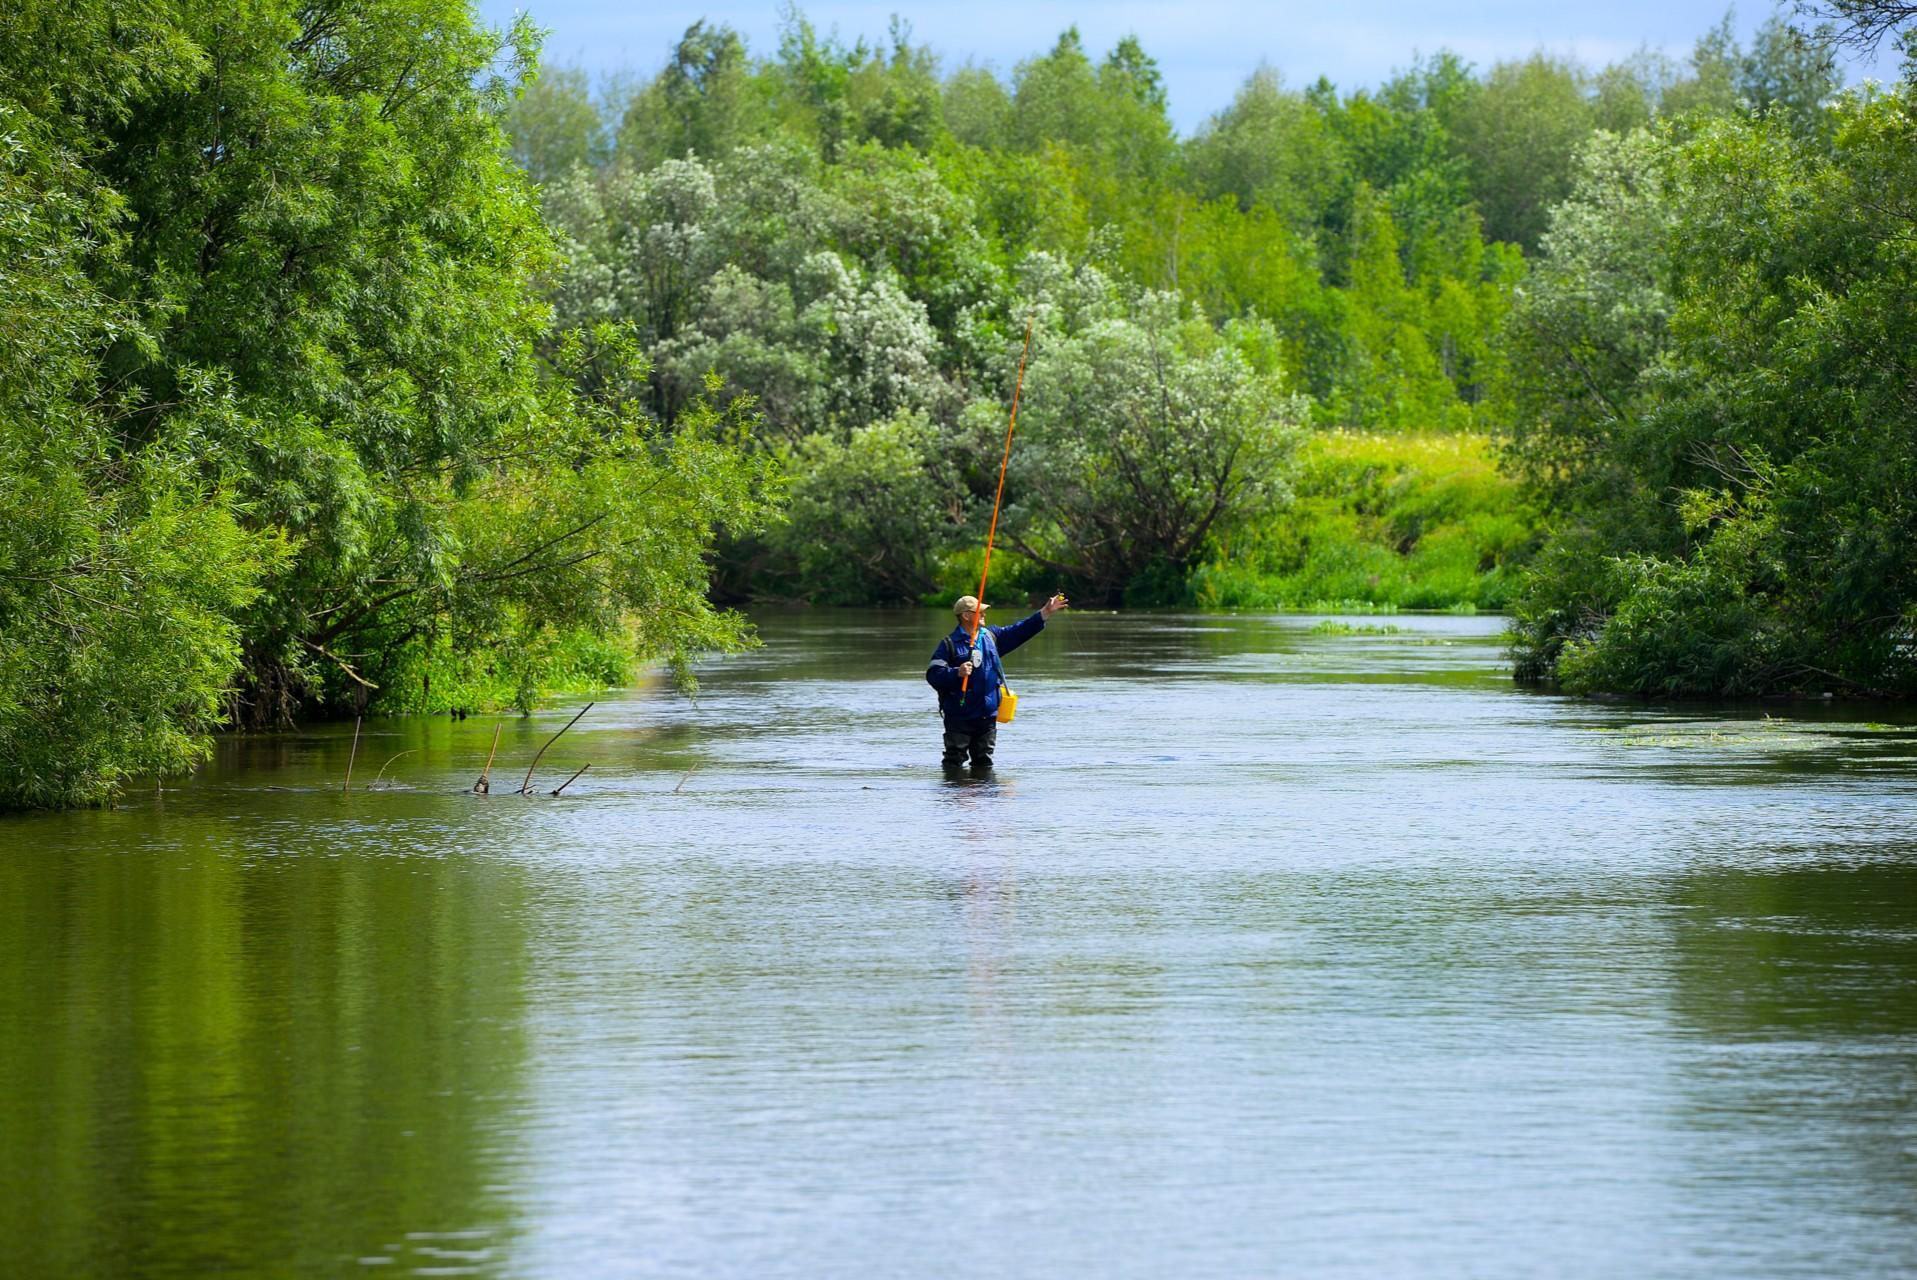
column 1333, row 627
column 1383, row 521
column 1768, row 734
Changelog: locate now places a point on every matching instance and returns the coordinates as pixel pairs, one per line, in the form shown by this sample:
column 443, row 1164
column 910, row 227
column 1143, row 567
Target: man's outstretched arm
column 1010, row 638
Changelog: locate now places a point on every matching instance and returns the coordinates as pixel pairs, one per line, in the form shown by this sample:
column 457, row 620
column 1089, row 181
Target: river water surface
column 1268, row 950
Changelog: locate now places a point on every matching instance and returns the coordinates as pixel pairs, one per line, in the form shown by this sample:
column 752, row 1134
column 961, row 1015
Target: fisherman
column 965, row 670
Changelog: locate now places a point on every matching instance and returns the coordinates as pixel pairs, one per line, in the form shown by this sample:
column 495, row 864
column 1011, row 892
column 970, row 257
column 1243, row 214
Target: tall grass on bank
column 1383, row 521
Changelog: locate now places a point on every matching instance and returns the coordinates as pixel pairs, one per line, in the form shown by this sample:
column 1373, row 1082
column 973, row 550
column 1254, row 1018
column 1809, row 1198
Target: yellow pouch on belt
column 1007, row 705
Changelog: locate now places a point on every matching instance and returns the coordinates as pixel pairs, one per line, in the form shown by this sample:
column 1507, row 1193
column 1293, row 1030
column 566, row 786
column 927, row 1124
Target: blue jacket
column 981, row 693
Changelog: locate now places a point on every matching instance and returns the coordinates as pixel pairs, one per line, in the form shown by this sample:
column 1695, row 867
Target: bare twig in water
column 389, row 764
column 569, row 781
column 352, row 756
column 484, row 786
column 525, row 787
column 682, row 782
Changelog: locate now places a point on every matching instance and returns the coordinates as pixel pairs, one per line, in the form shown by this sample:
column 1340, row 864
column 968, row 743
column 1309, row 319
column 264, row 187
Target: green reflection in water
column 1823, row 951
column 262, row 1066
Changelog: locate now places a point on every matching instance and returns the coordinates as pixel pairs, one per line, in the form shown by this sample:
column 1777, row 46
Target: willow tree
column 1145, row 433
column 123, row 559
column 1768, row 447
column 272, row 390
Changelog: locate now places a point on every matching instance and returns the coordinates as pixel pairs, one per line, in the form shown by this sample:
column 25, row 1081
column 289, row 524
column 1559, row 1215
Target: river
column 1272, row 947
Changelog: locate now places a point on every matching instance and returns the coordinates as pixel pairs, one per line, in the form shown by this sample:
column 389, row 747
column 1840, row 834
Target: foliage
column 1774, row 432
column 1146, row 433
column 710, row 239
column 120, row 576
column 1421, row 352
column 867, row 516
column 1417, row 521
column 274, row 414
column 1519, row 131
column 600, row 526
column 122, row 561
column 555, row 126
column 1787, row 76
column 1592, row 319
column 1271, row 148
column 347, row 359
column 812, row 298
column 854, row 242
column 700, row 104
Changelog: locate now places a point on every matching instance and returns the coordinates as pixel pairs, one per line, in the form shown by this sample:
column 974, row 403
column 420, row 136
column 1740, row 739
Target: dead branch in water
column 484, row 786
column 352, row 756
column 569, row 781
column 380, row 776
column 525, row 786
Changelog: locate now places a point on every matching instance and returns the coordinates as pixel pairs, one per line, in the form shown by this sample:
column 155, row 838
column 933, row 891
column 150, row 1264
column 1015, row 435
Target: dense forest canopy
column 351, row 359
column 277, row 434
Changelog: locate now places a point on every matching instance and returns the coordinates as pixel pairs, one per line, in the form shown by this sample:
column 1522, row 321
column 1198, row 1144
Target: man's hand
column 965, row 670
column 1053, row 605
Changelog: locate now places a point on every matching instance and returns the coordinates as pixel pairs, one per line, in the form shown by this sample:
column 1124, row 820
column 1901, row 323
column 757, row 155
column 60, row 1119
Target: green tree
column 122, row 553
column 1520, row 132
column 1056, row 97
column 641, row 246
column 1112, row 116
column 555, row 126
column 1593, row 320
column 895, row 98
column 868, row 516
column 1777, row 429
column 977, row 107
column 1711, row 87
column 325, row 217
column 838, row 349
column 812, row 78
column 706, row 101
column 732, row 268
column 1270, row 147
column 1246, row 264
column 1787, row 75
column 1144, row 433
column 1391, row 377
column 1628, row 94
column 1398, row 147
column 1790, row 75
column 273, row 413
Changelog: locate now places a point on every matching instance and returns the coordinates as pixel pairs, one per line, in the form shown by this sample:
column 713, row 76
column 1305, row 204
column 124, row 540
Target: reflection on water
column 225, row 1050
column 1263, row 950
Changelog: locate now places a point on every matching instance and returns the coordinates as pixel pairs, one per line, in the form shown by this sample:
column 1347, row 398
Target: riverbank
column 1378, row 521
column 1407, row 521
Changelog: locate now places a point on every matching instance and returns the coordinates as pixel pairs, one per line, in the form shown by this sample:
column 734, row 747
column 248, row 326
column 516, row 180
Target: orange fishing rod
column 978, row 615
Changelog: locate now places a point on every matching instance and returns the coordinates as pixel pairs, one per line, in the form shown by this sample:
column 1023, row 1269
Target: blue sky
column 1206, row 48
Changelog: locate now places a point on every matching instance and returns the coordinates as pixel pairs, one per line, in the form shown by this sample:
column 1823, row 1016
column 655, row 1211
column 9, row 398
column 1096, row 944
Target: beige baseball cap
column 965, row 605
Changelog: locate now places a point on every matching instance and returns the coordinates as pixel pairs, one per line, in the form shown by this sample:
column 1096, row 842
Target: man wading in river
column 966, row 672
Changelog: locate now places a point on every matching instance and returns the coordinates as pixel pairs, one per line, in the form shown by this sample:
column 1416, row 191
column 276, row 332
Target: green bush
column 866, row 515
column 1739, row 513
column 1421, row 521
column 1014, row 580
column 439, row 676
